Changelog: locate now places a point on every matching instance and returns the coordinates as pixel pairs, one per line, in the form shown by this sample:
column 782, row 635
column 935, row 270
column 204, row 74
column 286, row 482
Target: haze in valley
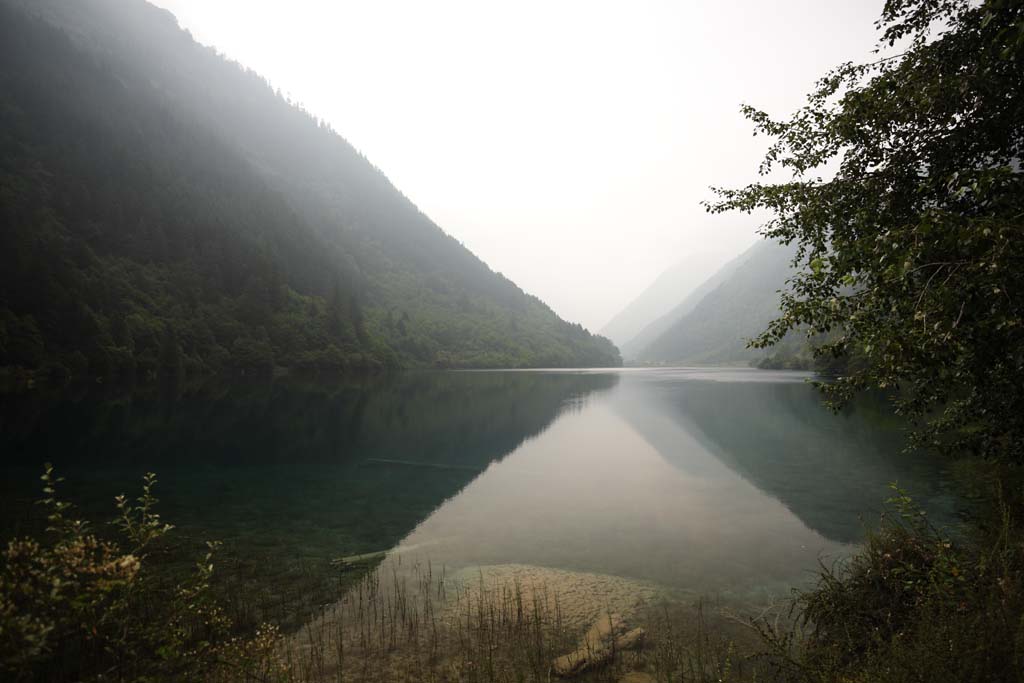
column 567, row 144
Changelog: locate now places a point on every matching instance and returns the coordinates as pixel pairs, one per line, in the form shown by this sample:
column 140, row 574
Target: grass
column 913, row 604
column 121, row 602
column 406, row 621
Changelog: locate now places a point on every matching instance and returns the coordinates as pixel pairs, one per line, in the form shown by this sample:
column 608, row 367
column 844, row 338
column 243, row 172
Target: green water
column 728, row 481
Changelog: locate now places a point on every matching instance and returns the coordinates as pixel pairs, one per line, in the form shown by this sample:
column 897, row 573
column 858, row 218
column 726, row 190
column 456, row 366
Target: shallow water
column 728, row 481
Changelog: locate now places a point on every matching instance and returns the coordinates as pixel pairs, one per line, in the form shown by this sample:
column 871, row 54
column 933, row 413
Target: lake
column 732, row 482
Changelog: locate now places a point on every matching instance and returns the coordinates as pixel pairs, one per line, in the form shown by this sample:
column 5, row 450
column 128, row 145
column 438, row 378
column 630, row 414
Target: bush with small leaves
column 76, row 606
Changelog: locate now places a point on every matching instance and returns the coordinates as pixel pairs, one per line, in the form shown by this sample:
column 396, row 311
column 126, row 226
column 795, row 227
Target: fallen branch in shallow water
column 354, row 560
column 598, row 647
column 349, row 561
column 429, row 465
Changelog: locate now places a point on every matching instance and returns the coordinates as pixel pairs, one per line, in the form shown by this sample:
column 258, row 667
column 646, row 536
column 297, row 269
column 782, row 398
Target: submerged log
column 356, row 560
column 350, row 561
column 606, row 637
column 427, row 465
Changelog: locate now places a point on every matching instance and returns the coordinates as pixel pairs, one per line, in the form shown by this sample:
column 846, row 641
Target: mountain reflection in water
column 712, row 480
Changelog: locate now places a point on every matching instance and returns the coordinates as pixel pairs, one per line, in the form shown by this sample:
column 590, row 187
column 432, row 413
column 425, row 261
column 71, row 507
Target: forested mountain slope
column 634, row 346
column 162, row 207
column 659, row 298
column 740, row 305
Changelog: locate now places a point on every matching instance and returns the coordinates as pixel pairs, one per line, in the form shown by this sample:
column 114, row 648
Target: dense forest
column 165, row 211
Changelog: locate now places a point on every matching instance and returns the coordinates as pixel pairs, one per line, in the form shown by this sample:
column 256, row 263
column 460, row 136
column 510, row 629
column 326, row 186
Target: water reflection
column 285, row 467
column 832, row 471
column 704, row 481
column 729, row 481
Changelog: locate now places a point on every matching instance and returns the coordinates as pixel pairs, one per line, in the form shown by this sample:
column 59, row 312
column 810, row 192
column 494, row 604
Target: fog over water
column 567, row 144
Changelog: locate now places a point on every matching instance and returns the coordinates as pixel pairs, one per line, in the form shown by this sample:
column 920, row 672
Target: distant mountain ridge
column 659, row 298
column 712, row 325
column 634, row 346
column 166, row 209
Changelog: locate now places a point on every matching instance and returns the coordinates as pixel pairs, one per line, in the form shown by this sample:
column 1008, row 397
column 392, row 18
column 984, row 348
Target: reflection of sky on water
column 713, row 480
column 709, row 479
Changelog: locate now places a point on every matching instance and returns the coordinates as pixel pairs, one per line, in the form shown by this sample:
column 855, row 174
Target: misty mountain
column 658, row 299
column 164, row 207
column 634, row 346
column 713, row 324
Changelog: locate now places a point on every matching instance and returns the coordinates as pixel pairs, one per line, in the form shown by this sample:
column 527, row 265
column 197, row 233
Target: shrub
column 77, row 606
column 915, row 604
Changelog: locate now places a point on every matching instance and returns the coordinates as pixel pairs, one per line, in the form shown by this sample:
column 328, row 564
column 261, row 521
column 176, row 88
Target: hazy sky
column 568, row 144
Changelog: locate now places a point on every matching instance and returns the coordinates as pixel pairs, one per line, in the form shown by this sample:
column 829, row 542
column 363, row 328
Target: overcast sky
column 568, row 144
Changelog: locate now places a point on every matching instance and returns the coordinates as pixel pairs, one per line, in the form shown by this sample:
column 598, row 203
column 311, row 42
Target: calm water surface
column 712, row 480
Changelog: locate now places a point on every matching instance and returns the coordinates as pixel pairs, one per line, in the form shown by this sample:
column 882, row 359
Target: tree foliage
column 911, row 252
